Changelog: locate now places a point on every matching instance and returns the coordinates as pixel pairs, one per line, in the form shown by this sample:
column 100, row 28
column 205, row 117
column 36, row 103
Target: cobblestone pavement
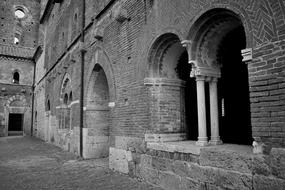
column 29, row 163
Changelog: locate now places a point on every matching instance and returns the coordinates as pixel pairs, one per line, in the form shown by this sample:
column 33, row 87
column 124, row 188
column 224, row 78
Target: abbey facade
column 184, row 94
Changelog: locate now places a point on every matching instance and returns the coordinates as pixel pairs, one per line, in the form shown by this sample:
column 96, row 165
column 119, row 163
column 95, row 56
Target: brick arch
column 160, row 48
column 206, row 34
column 16, row 98
column 101, row 57
column 20, row 109
column 235, row 9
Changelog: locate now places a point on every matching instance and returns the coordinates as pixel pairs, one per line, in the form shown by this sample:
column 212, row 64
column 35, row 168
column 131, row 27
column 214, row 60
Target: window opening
column 16, row 78
column 20, row 13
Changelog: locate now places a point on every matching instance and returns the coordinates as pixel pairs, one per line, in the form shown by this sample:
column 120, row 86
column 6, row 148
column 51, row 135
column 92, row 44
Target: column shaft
column 215, row 138
column 202, row 139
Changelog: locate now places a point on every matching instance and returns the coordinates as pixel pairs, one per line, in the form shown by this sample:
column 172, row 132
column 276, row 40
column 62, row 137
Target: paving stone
column 28, row 163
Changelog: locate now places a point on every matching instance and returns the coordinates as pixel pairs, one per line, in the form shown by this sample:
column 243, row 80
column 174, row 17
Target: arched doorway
column 217, row 39
column 97, row 115
column 173, row 104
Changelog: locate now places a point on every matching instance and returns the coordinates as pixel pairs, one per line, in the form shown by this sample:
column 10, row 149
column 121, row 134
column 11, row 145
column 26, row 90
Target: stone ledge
column 165, row 137
column 191, row 147
column 181, row 146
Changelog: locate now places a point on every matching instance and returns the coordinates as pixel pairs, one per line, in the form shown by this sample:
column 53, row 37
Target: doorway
column 15, row 125
column 235, row 125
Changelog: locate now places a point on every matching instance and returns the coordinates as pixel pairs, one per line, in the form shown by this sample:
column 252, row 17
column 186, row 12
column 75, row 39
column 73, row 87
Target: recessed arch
column 97, row 111
column 206, row 14
column 168, row 69
column 216, row 40
column 102, row 58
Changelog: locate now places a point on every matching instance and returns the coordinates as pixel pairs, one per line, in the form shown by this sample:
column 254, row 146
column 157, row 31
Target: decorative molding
column 163, row 82
column 246, row 54
column 205, row 71
column 186, row 43
column 165, row 137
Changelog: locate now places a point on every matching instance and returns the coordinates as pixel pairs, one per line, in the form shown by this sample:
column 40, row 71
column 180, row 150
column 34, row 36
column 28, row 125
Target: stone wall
column 11, row 92
column 25, row 29
column 212, row 169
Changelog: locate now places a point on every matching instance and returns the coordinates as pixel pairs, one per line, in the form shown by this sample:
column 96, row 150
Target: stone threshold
column 192, row 148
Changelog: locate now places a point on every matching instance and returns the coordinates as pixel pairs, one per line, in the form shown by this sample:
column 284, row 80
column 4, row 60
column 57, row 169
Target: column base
column 216, row 142
column 202, row 142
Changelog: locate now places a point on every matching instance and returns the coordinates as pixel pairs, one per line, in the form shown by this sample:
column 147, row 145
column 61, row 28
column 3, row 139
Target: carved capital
column 186, row 43
column 206, row 72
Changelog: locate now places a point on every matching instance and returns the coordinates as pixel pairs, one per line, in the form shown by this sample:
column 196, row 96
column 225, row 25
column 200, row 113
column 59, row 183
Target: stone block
column 181, row 168
column 129, row 143
column 149, row 175
column 278, row 162
column 213, row 176
column 261, row 165
column 145, row 161
column 118, row 159
column 226, row 159
column 169, row 181
column 187, row 183
column 161, row 164
column 268, row 183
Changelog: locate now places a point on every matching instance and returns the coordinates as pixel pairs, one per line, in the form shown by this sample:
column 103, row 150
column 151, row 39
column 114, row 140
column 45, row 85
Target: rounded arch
column 101, row 58
column 164, row 55
column 207, row 14
column 17, row 98
column 208, row 31
column 16, row 76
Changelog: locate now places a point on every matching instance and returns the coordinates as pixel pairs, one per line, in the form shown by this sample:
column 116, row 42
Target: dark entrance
column 15, row 124
column 235, row 125
column 191, row 116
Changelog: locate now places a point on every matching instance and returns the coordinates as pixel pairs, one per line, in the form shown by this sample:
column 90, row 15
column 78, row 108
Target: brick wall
column 267, row 92
column 126, row 45
column 23, row 66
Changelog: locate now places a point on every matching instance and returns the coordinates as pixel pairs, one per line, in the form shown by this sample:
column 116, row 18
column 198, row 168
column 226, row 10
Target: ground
column 29, row 163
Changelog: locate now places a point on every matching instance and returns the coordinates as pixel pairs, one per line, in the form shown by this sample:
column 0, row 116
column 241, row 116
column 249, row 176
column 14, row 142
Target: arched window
column 16, row 40
column 20, row 13
column 16, row 77
column 65, row 100
column 48, row 105
column 70, row 97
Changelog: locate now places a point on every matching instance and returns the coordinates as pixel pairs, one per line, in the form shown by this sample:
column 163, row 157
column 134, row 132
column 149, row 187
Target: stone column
column 215, row 138
column 202, row 139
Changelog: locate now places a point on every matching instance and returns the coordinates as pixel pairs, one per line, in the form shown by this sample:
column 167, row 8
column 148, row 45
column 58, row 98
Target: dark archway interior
column 183, row 70
column 235, row 125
